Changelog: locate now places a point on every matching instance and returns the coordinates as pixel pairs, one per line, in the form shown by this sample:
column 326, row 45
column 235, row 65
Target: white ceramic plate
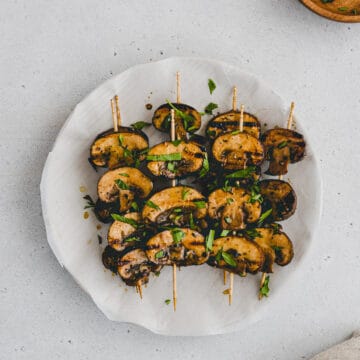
column 202, row 308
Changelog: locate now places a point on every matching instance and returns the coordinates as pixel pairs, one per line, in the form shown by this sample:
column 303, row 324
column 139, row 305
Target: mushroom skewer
column 289, row 124
column 173, row 183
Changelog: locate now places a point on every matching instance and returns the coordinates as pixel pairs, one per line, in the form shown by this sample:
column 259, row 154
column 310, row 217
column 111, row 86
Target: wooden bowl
column 338, row 10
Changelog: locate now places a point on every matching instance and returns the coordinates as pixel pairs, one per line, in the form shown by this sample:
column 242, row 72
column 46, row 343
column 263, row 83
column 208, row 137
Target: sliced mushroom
column 162, row 118
column 123, row 184
column 234, row 208
column 110, row 258
column 191, row 159
column 134, row 267
column 104, row 210
column 229, row 121
column 276, row 246
column 235, row 151
column 236, row 254
column 175, row 206
column 122, row 235
column 112, row 149
column 179, row 246
column 282, row 146
column 279, row 196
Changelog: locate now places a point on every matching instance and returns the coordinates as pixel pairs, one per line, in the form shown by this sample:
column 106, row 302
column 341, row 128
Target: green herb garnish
column 211, row 85
column 139, row 125
column 177, row 235
column 210, row 107
column 264, row 216
column 184, row 193
column 121, row 185
column 121, row 140
column 224, row 233
column 242, row 174
column 160, row 254
column 264, row 290
column 152, row 205
column 200, row 204
column 282, row 144
column 176, row 142
column 188, row 119
column 235, row 132
column 227, row 187
column 229, row 201
column 171, row 166
column 124, row 219
column 164, row 157
column 191, row 221
column 205, row 166
column 228, row 258
column 134, row 206
column 209, row 240
column 343, row 8
column 252, row 233
column 90, row 202
column 132, row 238
column 167, row 301
column 228, row 219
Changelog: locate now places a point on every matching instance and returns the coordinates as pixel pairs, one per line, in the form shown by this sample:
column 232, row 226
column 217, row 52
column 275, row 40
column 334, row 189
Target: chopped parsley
column 152, row 205
column 224, row 233
column 235, row 132
column 264, row 290
column 228, row 219
column 242, row 174
column 164, row 157
column 134, row 205
column 210, row 107
column 188, row 119
column 253, row 233
column 205, row 166
column 124, row 219
column 176, row 142
column 167, row 301
column 229, row 201
column 121, row 185
column 210, row 240
column 132, row 238
column 282, row 144
column 211, row 85
column 139, row 125
column 160, row 254
column 177, row 235
column 184, row 193
column 200, row 204
column 264, row 216
column 228, row 258
column 124, row 174
column 171, row 166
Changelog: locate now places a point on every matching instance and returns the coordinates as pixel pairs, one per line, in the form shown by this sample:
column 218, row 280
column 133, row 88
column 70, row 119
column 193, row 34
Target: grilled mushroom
column 104, row 210
column 279, row 196
column 134, row 267
column 124, row 147
column 236, row 254
column 175, row 159
column 187, row 119
column 123, row 184
column 177, row 206
column 235, row 151
column 229, row 121
column 234, row 208
column 276, row 246
column 110, row 258
column 179, row 246
column 122, row 235
column 282, row 146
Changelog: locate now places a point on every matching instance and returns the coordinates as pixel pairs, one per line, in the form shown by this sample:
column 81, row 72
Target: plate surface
column 338, row 10
column 202, row 308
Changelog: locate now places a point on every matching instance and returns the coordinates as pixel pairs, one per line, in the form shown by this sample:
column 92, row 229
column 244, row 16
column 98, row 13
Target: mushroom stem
column 234, row 98
column 115, row 124
column 118, row 116
column 178, row 91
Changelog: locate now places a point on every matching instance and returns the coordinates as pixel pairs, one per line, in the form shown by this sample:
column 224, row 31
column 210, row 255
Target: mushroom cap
column 122, row 235
column 134, row 267
column 235, row 151
column 229, row 121
column 106, row 150
column 282, row 146
column 189, row 250
column 133, row 181
column 233, row 208
column 248, row 256
column 192, row 158
column 162, row 118
column 166, row 202
column 276, row 246
column 279, row 196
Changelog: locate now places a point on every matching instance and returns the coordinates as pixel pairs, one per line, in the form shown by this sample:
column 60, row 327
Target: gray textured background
column 51, row 56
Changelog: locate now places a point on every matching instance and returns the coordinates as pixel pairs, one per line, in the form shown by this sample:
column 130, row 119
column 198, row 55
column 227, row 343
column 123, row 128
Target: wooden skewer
column 231, row 287
column 113, row 112
column 178, row 89
column 234, row 98
column 241, row 123
column 173, row 183
column 289, row 124
column 118, row 110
